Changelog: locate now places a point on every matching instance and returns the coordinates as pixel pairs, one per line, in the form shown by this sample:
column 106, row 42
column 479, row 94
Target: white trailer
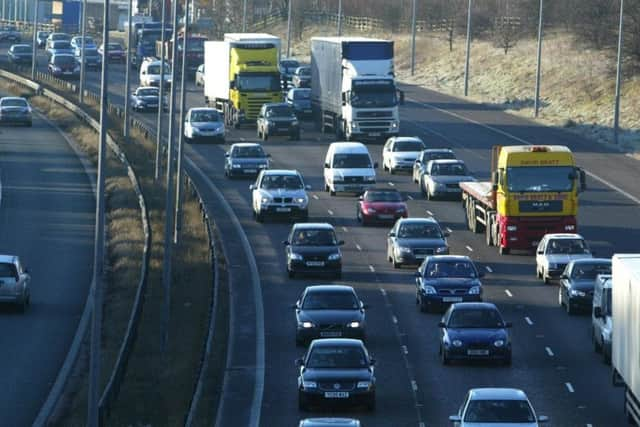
column 625, row 338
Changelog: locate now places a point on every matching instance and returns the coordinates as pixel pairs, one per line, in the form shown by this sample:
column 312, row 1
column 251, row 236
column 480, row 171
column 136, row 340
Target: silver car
column 279, row 192
column 420, row 165
column 411, row 240
column 245, row 158
column 200, row 75
column 496, row 407
column 15, row 110
column 442, row 178
column 14, row 282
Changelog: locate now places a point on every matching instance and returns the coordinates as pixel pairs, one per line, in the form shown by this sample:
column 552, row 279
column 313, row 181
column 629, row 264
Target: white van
column 150, row 72
column 348, row 168
column 601, row 324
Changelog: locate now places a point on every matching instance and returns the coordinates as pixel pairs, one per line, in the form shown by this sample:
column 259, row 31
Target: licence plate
column 251, row 171
column 66, row 73
column 153, row 105
column 336, row 394
column 477, row 352
column 283, row 209
column 331, row 334
column 307, row 111
column 451, row 299
column 385, row 216
column 375, row 134
column 352, row 188
column 315, row 263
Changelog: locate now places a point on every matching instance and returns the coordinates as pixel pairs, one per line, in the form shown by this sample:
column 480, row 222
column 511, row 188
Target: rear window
column 499, row 411
column 61, row 45
column 382, row 196
column 63, row 60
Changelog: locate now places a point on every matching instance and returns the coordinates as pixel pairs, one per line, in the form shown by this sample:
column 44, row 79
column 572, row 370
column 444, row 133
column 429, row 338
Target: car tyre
column 606, row 355
column 371, row 404
column 424, row 308
column 302, row 404
column 290, row 273
column 443, row 356
column 395, row 263
column 597, row 347
column 570, row 308
column 259, row 217
column 504, row 251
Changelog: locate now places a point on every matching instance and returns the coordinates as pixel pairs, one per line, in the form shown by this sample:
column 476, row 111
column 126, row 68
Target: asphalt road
column 47, row 218
column 553, row 357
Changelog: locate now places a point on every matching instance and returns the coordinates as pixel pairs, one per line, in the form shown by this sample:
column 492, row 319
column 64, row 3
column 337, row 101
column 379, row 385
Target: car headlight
column 335, row 257
column 295, row 257
column 512, row 228
column 354, row 125
column 370, row 210
column 370, row 178
column 429, row 290
column 353, row 324
column 475, row 290
column 456, row 343
column 301, row 200
column 265, row 200
column 569, row 227
column 364, row 385
column 236, row 166
column 306, row 325
column 442, row 250
column 394, row 124
column 576, row 293
column 294, row 123
column 309, row 384
column 403, row 250
column 498, row 343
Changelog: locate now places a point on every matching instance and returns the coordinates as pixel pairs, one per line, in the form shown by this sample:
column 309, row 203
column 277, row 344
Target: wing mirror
column 583, row 179
column 441, row 324
column 296, row 305
column 226, row 154
column 446, row 233
column 372, row 361
column 364, row 306
column 455, row 418
column 508, row 324
column 299, row 362
column 361, row 197
column 417, row 274
column 286, row 243
column 252, row 187
column 481, row 274
column 326, row 166
column 392, row 234
column 597, row 312
column 307, row 187
column 540, row 252
column 375, row 165
column 232, row 84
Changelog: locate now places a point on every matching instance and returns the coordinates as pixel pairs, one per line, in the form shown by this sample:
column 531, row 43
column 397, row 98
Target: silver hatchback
column 14, row 282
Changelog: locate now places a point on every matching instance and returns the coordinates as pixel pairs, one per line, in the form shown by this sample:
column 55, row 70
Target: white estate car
column 150, row 72
column 401, row 152
column 279, row 192
column 556, row 250
column 14, row 282
column 496, row 407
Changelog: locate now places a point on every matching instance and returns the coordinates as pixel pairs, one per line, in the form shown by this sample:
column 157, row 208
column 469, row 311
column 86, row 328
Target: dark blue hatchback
column 474, row 331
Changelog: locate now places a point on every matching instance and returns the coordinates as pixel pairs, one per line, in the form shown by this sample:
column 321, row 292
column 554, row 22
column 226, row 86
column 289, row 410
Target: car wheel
column 331, row 192
column 545, row 278
column 507, row 360
column 424, row 308
column 291, row 273
column 443, row 356
column 538, row 274
column 421, row 185
column 265, row 135
column 606, row 355
column 24, row 305
column 391, row 171
column 427, row 191
column 597, row 347
column 302, row 404
column 503, row 250
column 570, row 308
column 259, row 217
column 560, row 301
column 395, row 263
column 371, row 404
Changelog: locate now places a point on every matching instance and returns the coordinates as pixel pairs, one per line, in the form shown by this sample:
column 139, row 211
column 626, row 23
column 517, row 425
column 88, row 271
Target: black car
column 313, row 248
column 20, row 54
column 411, row 240
column 41, row 38
column 277, row 119
column 329, row 311
column 300, row 99
column 474, row 331
column 64, row 65
column 329, row 422
column 336, row 370
column 10, row 34
column 245, row 159
column 302, row 77
column 577, row 283
column 443, row 280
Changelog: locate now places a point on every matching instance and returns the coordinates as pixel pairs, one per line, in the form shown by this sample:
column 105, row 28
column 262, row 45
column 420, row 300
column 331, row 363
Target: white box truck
column 353, row 88
column 625, row 338
column 241, row 74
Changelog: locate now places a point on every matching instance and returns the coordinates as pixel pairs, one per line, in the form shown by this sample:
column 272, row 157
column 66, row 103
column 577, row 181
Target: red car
column 116, row 52
column 381, row 205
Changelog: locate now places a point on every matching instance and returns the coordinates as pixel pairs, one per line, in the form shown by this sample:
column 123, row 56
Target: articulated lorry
column 353, row 88
column 533, row 191
column 625, row 336
column 241, row 74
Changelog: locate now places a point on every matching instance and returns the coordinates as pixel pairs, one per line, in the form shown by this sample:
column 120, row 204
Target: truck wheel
column 503, row 251
column 606, row 354
column 265, row 135
column 488, row 231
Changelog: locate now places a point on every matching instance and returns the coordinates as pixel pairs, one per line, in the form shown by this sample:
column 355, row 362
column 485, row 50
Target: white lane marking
column 549, row 351
column 394, row 319
column 315, row 197
column 528, row 320
column 569, row 387
column 414, row 385
column 383, row 292
column 373, row 270
column 345, row 229
column 358, row 247
column 391, row 184
column 405, row 350
column 429, row 212
column 589, row 425
column 421, row 424
column 508, row 292
column 488, row 269
column 410, row 197
column 330, row 211
column 469, row 248
column 0, row 189
column 524, row 141
column 448, row 230
column 242, row 139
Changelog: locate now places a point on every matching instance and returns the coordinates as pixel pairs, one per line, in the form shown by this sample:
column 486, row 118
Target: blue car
column 443, row 280
column 474, row 331
column 300, row 100
column 92, row 59
column 61, row 47
column 20, row 54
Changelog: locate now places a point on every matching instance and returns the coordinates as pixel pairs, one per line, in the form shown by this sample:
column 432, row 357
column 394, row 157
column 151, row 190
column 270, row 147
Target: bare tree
column 506, row 32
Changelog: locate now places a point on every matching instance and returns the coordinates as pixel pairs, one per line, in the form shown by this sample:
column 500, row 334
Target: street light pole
column 413, row 37
column 616, row 109
column 83, row 51
column 466, row 60
column 93, row 413
column 159, row 132
column 34, row 55
column 168, row 225
column 183, row 99
column 339, row 18
column 127, row 73
column 244, row 16
column 538, row 63
column 289, row 30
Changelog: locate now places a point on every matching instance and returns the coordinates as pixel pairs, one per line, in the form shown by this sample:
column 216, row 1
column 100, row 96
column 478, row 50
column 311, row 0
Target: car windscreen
column 14, row 103
column 567, row 247
column 303, row 71
column 22, row 49
column 248, row 152
column 483, row 318
column 351, row 161
column 314, row 237
column 450, row 268
column 301, row 94
column 64, row 60
column 148, row 92
column 408, row 146
column 418, row 230
column 449, row 169
column 382, row 196
column 61, row 45
column 589, row 271
column 499, row 411
column 437, row 155
column 258, row 82
column 288, row 182
column 280, row 111
column 540, row 178
column 8, row 270
column 205, row 116
column 330, row 301
column 155, row 69
column 91, row 52
column 288, row 65
column 341, row 357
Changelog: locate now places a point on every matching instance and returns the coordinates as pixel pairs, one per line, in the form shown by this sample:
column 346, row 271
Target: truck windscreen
column 258, row 82
column 362, row 51
column 373, row 97
column 540, row 179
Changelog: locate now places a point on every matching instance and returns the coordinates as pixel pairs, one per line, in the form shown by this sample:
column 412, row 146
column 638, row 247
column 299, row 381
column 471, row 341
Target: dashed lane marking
column 373, row 270
column 405, row 350
column 448, row 230
column 508, row 292
column 345, row 229
column 469, row 248
column 394, row 318
column 383, row 292
column 358, row 247
column 315, row 197
column 569, row 387
column 410, row 197
column 429, row 212
column 528, row 320
column 330, row 211
column 488, row 269
column 391, row 184
column 414, row 385
column 549, row 351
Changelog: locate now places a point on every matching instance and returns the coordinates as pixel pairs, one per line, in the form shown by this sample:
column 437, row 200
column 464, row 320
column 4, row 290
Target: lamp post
column 466, row 60
column 538, row 63
column 413, row 38
column 616, row 108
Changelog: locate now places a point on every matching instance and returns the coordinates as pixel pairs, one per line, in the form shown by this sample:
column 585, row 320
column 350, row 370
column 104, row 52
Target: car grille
column 385, row 113
column 331, row 327
column 336, row 385
column 254, row 104
column 561, row 266
column 282, row 200
column 423, row 251
column 453, row 186
column 452, row 291
column 353, row 179
column 315, row 257
column 477, row 346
